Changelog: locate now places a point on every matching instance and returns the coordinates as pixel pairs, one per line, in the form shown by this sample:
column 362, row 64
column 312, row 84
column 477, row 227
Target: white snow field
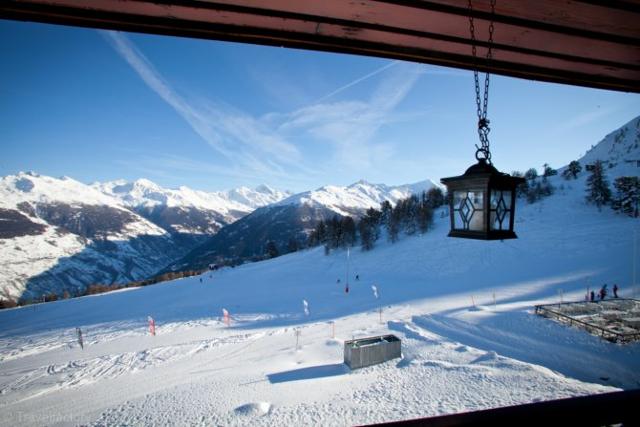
column 461, row 351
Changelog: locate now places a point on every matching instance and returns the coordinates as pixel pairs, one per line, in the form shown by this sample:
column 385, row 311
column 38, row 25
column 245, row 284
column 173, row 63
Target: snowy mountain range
column 189, row 215
column 58, row 234
column 290, row 221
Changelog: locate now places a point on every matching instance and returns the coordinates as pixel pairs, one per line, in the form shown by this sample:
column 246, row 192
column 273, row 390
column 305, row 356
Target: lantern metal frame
column 485, row 191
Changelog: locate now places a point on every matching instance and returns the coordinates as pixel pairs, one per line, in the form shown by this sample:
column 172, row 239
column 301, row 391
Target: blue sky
column 98, row 106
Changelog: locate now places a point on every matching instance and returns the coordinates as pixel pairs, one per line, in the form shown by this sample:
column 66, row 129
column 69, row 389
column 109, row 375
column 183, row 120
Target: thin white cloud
column 235, row 135
column 584, row 119
column 350, row 126
column 260, row 148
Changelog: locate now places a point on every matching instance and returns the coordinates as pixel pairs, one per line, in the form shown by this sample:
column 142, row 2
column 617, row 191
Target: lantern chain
column 483, row 123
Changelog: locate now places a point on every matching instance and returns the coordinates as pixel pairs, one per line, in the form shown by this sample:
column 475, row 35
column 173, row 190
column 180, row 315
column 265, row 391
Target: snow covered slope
column 462, row 308
column 63, row 234
column 620, row 150
column 292, row 219
column 60, row 234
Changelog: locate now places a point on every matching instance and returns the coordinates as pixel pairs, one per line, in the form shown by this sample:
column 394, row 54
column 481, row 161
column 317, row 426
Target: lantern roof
column 485, row 171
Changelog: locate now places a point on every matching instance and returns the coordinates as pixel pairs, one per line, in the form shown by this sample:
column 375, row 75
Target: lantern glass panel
column 500, row 210
column 468, row 209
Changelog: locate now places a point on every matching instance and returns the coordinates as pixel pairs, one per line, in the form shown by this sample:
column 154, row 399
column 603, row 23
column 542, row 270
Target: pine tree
column 373, row 218
column 425, row 216
column 572, row 170
column 393, row 224
column 548, row 171
column 523, row 188
column 365, row 228
column 531, row 175
column 434, row 197
column 321, row 232
column 292, row 246
column 385, row 212
column 348, row 231
column 598, row 191
column 318, row 235
column 409, row 213
column 334, row 233
column 312, row 240
column 271, row 250
column 627, row 195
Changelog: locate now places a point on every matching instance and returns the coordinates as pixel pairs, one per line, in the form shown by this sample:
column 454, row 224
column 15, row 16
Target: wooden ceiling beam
column 587, row 43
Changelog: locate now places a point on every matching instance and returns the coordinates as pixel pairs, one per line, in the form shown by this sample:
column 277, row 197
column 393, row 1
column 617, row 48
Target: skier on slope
column 603, row 292
column 593, row 296
column 615, row 291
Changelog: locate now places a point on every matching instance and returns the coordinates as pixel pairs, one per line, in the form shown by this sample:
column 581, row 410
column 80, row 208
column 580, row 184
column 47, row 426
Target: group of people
column 602, row 294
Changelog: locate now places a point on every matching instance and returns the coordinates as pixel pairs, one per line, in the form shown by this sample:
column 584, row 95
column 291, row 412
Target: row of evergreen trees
column 533, row 188
column 626, row 198
column 415, row 214
column 411, row 215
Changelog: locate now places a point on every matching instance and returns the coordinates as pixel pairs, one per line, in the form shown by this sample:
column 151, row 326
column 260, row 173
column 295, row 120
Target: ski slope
column 461, row 350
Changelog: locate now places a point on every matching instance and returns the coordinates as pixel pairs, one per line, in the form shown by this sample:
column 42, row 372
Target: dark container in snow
column 371, row 350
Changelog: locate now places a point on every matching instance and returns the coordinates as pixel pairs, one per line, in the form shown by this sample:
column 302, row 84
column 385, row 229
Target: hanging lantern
column 482, row 201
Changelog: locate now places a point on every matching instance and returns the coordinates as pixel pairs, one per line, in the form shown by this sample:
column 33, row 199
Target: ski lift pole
column 297, row 333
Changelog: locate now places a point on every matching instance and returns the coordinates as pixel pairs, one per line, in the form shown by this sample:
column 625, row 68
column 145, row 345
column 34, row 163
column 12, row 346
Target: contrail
column 358, row 80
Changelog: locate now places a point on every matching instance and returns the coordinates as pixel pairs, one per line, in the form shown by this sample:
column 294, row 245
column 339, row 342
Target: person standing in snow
column 615, row 291
column 603, row 292
column 80, row 341
column 593, row 296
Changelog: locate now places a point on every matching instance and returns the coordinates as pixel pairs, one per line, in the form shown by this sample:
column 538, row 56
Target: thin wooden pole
column 635, row 260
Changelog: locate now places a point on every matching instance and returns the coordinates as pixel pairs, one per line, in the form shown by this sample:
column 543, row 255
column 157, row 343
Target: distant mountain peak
column 144, row 182
column 264, row 188
column 357, row 197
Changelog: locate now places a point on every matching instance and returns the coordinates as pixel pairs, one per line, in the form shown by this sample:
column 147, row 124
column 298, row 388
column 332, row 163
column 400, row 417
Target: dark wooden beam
column 587, row 43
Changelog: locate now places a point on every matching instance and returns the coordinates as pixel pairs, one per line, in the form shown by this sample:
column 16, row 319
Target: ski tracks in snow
column 76, row 373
